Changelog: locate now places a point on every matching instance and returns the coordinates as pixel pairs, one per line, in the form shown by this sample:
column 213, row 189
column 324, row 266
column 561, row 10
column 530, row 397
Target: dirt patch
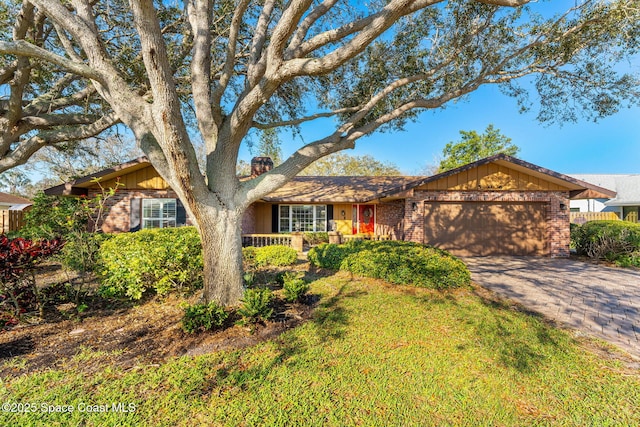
column 126, row 335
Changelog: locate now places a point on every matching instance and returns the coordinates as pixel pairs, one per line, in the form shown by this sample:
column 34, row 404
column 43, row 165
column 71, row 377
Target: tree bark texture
column 221, row 235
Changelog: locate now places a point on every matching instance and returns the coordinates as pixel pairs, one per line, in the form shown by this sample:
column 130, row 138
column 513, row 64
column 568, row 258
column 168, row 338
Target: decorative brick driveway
column 602, row 302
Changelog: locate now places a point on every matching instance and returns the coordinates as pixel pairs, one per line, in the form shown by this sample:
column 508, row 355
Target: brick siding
column 390, row 219
column 249, row 220
column 118, row 207
column 557, row 219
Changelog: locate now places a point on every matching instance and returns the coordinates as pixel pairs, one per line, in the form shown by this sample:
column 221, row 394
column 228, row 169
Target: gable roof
column 357, row 189
column 78, row 186
column 10, row 199
column 577, row 189
column 626, row 186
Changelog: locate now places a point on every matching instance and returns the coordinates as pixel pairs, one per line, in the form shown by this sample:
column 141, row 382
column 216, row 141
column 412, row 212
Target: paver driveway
column 600, row 301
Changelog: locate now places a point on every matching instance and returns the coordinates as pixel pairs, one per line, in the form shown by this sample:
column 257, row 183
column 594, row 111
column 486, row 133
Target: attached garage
column 495, row 206
column 487, row 228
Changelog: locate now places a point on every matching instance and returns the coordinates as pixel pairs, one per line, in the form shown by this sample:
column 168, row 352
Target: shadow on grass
column 523, row 339
column 330, row 322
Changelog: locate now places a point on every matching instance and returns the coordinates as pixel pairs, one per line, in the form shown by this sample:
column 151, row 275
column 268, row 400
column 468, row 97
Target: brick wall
column 390, row 219
column 557, row 218
column 118, row 207
column 249, row 220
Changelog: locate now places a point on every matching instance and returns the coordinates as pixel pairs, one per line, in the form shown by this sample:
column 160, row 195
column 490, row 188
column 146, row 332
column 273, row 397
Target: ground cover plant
column 395, row 261
column 373, row 354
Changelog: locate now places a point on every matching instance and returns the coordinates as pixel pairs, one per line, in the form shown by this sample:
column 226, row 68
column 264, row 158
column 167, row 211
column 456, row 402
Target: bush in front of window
column 404, row 263
column 156, row 260
column 275, row 256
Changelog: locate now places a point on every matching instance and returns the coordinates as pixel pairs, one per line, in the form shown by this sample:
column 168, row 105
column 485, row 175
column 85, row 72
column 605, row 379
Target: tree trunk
column 220, row 232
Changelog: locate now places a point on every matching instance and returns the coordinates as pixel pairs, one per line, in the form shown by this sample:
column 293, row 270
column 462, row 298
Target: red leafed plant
column 18, row 259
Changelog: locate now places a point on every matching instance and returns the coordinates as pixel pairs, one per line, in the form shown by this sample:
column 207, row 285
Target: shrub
column 18, row 258
column 575, row 231
column 161, row 260
column 330, row 255
column 249, row 254
column 256, row 306
column 54, row 216
column 203, row 317
column 313, row 239
column 394, row 261
column 294, row 287
column 617, row 241
column 275, row 255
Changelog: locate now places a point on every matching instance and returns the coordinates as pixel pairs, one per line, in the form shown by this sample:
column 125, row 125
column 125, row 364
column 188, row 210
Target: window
column 158, row 213
column 302, row 218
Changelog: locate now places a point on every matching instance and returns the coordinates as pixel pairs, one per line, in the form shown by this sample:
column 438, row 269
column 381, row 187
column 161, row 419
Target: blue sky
column 611, row 145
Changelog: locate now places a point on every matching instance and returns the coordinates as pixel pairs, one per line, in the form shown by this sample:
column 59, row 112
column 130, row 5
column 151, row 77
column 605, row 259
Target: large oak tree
column 210, row 71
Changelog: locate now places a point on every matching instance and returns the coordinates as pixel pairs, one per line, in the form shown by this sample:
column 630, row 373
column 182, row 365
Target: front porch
column 299, row 242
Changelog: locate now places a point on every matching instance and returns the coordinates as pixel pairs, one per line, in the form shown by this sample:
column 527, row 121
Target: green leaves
column 474, row 147
column 404, row 263
column 162, row 260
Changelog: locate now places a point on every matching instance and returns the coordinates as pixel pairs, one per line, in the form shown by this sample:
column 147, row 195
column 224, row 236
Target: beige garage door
column 486, row 228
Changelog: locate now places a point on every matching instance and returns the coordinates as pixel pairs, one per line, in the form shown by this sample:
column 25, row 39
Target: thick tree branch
column 169, row 130
column 257, row 64
column 307, row 23
column 230, row 60
column 23, row 48
column 377, row 24
column 25, row 149
column 300, row 120
column 199, row 12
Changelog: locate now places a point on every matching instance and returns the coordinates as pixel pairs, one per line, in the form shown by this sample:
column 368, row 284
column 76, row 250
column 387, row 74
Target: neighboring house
column 12, row 209
column 625, row 204
column 498, row 205
column 7, row 201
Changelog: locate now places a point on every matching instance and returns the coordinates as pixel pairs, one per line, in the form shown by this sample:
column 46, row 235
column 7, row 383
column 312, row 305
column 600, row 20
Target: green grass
column 374, row 355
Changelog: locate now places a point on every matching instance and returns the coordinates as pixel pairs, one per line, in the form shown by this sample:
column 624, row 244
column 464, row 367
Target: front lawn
column 374, row 354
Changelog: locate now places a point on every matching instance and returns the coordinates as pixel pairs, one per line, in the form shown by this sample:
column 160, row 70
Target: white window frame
column 316, row 217
column 165, row 221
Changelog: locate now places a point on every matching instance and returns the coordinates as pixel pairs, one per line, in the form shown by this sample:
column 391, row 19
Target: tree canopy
column 214, row 73
column 473, row 146
column 342, row 164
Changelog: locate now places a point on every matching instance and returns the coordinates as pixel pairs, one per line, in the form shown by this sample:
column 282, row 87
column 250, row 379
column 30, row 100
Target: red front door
column 366, row 219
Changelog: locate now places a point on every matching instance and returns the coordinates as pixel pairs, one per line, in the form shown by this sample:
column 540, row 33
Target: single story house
column 498, row 205
column 12, row 210
column 8, row 201
column 625, row 204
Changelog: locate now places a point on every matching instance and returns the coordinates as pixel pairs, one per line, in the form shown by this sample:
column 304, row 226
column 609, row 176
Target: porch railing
column 260, row 240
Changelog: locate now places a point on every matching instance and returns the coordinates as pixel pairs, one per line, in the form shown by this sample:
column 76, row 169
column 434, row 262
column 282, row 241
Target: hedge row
column 165, row 260
column 616, row 241
column 397, row 262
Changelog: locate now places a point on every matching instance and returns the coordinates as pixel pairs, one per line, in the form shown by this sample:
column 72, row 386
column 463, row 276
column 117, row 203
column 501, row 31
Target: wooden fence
column 12, row 220
column 582, row 217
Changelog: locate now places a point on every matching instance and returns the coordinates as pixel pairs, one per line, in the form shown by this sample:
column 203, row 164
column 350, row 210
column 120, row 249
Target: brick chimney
column 260, row 165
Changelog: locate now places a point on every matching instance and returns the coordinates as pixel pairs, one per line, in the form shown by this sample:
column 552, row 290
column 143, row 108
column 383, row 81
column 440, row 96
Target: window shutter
column 274, row 218
column 135, row 214
column 329, row 212
column 181, row 214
